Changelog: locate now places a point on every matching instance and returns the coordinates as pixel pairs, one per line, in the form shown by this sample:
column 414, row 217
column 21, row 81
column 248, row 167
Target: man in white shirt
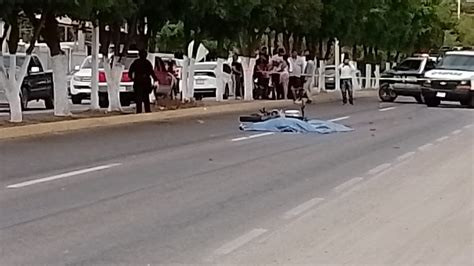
column 309, row 70
column 347, row 71
column 296, row 69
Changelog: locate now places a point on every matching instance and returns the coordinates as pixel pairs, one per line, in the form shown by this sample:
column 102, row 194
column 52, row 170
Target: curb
column 100, row 122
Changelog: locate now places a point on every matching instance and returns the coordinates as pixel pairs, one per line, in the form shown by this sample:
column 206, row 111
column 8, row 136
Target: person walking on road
column 141, row 72
column 296, row 70
column 347, row 71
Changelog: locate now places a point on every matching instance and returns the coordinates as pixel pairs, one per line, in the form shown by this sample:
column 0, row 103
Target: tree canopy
column 400, row 26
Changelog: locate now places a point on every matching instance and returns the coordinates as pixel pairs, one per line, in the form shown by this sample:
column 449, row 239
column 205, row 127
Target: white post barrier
column 219, row 80
column 355, row 80
column 95, row 69
column 337, row 52
column 368, row 76
column 313, row 75
column 248, row 65
column 184, row 79
column 321, row 82
column 190, row 89
column 377, row 77
column 387, row 66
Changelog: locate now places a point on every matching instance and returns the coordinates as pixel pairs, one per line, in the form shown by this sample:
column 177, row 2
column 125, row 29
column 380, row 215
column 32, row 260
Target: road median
column 117, row 120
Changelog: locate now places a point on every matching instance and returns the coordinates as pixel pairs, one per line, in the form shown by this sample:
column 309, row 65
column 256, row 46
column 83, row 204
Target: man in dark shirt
column 238, row 73
column 141, row 72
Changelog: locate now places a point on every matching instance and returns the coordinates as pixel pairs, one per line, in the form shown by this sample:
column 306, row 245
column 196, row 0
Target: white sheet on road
column 293, row 125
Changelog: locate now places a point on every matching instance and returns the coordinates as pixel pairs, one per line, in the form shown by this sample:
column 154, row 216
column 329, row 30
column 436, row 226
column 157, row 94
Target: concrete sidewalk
column 210, row 108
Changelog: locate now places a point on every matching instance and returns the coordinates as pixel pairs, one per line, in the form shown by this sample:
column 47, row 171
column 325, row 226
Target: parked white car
column 80, row 82
column 205, row 81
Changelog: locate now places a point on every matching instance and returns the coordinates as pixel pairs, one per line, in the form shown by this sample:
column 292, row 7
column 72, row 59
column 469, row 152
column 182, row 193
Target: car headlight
column 427, row 83
column 464, row 85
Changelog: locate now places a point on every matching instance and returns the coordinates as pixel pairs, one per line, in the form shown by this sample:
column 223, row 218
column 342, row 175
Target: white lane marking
column 60, row 176
column 348, row 184
column 405, row 156
column 469, row 126
column 339, row 119
column 253, row 136
column 379, row 168
column 456, row 132
column 425, row 147
column 387, row 109
column 442, row 139
column 240, row 241
column 302, row 208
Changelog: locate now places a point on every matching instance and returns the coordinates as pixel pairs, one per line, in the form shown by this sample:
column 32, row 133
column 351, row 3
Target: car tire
column 76, row 99
column 49, row 103
column 466, row 102
column 471, row 102
column 103, row 100
column 432, row 102
column 385, row 94
column 24, row 99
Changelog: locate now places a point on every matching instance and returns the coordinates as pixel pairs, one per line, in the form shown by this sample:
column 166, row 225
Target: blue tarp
column 294, row 125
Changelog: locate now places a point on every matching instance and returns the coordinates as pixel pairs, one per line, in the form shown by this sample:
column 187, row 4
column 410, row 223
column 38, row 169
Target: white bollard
column 190, row 91
column 368, row 76
column 377, row 77
column 387, row 66
column 321, row 81
column 337, row 52
column 184, row 79
column 219, row 80
column 355, row 81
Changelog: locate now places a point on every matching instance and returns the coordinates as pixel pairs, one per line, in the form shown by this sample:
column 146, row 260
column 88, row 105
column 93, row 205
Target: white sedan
column 205, row 81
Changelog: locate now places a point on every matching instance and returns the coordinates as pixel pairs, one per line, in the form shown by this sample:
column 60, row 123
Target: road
column 397, row 190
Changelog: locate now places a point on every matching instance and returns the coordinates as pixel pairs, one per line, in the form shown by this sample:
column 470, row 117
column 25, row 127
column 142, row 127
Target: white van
column 451, row 80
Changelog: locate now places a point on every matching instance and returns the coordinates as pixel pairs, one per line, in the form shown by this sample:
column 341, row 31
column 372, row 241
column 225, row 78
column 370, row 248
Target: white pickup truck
column 451, row 80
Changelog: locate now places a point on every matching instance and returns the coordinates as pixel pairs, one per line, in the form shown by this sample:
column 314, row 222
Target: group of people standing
column 284, row 76
column 280, row 76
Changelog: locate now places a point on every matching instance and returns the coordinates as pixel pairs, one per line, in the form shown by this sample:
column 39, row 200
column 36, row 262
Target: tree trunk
column 355, row 56
column 330, row 43
column 113, row 73
column 320, row 49
column 286, row 41
column 14, row 34
column 50, row 34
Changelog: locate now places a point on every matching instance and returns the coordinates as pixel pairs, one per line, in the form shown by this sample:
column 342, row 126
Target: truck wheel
column 432, row 102
column 471, row 102
column 76, row 99
column 49, row 103
column 386, row 94
column 419, row 99
column 24, row 99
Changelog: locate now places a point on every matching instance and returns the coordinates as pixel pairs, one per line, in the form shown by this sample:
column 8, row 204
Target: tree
column 12, row 76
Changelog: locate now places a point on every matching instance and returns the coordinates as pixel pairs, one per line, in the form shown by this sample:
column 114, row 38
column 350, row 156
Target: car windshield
column 127, row 61
column 19, row 61
column 457, row 62
column 88, row 64
column 411, row 64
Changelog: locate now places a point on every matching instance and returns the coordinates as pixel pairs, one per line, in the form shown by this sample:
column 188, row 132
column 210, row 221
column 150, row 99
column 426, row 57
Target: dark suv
column 404, row 79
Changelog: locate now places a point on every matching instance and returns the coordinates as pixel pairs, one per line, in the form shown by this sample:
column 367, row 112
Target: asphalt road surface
column 397, row 190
